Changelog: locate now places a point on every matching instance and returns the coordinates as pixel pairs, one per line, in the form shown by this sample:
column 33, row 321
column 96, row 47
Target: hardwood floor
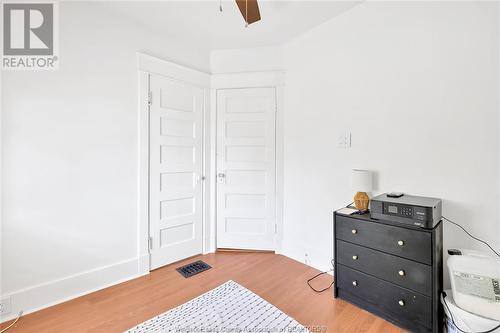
column 278, row 279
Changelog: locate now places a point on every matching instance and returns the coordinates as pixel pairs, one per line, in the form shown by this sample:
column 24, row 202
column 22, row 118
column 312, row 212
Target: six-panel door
column 246, row 191
column 176, row 156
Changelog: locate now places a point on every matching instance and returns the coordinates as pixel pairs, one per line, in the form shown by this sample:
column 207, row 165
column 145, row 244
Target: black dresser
column 393, row 271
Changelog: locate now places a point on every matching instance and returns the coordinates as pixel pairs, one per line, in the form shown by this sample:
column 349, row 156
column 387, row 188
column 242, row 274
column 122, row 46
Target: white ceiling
column 202, row 23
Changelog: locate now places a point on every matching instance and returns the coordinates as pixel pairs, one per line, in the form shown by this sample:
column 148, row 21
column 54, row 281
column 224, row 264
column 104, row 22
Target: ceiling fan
column 249, row 10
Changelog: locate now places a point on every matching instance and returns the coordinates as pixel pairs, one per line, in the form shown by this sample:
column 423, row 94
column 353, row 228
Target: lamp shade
column 361, row 180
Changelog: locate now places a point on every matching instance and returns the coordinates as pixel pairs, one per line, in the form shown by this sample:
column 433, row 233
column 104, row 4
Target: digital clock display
column 392, row 209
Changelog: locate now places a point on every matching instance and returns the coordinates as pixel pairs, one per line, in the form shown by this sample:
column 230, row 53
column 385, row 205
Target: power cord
column 315, row 276
column 475, row 238
column 443, row 295
column 13, row 323
column 322, row 273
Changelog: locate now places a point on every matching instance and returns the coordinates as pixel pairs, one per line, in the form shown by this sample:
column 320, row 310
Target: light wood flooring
column 276, row 278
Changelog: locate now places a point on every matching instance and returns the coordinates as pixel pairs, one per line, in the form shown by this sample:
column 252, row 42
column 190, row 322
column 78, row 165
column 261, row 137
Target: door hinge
column 150, row 243
column 150, row 98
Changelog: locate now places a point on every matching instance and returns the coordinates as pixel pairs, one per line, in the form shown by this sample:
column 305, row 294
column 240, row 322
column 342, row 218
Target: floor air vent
column 193, row 268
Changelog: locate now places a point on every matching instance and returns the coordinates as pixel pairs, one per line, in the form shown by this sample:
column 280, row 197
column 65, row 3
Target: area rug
column 227, row 308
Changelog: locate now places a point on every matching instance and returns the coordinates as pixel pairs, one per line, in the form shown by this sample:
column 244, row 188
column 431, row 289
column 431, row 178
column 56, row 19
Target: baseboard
column 243, row 250
column 61, row 290
column 320, row 267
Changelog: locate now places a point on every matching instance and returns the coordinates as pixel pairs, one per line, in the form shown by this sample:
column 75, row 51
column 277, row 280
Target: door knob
column 221, row 177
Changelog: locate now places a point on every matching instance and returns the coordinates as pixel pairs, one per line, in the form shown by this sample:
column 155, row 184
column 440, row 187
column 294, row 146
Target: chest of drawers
column 392, row 271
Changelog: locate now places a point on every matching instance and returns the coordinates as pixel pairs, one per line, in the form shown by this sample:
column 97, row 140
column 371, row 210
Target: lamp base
column 361, row 201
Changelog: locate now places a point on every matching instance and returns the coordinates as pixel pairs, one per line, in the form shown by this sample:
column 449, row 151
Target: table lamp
column 361, row 183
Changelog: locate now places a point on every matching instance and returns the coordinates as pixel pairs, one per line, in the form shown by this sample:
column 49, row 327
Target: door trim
column 267, row 79
column 147, row 65
column 153, row 65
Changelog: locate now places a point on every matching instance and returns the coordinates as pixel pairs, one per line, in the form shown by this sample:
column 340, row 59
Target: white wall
column 417, row 84
column 70, row 159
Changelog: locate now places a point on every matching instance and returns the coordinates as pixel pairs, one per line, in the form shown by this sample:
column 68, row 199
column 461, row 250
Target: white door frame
column 151, row 65
column 268, row 79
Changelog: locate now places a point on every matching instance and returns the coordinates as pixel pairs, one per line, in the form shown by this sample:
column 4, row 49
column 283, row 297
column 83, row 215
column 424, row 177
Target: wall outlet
column 344, row 139
column 5, row 305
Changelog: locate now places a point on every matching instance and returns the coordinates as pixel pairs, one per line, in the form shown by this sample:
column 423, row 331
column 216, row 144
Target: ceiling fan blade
column 249, row 10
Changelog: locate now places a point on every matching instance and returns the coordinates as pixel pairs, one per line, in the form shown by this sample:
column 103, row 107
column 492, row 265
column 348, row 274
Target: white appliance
column 459, row 321
column 475, row 282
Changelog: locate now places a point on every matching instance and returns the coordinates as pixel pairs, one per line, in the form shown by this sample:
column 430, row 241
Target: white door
column 175, row 189
column 246, row 196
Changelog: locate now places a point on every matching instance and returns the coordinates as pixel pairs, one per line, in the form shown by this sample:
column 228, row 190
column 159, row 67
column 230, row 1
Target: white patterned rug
column 227, row 308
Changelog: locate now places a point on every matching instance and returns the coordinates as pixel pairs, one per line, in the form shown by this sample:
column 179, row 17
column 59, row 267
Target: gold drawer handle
column 401, row 243
column 401, row 273
column 354, row 257
column 401, row 302
column 355, row 283
column 354, row 231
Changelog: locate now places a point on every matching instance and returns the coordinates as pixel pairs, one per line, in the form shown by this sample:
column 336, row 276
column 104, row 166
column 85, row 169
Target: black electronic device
column 395, row 194
column 422, row 212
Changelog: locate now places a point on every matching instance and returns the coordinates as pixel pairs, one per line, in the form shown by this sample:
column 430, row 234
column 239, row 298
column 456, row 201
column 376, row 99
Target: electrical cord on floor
column 475, row 238
column 314, row 277
column 443, row 295
column 322, row 273
column 13, row 323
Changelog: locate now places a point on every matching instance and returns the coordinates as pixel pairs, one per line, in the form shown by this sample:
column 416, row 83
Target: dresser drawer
column 406, row 273
column 397, row 302
column 407, row 243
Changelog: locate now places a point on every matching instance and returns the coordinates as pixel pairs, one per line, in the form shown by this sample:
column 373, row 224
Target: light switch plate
column 344, row 139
